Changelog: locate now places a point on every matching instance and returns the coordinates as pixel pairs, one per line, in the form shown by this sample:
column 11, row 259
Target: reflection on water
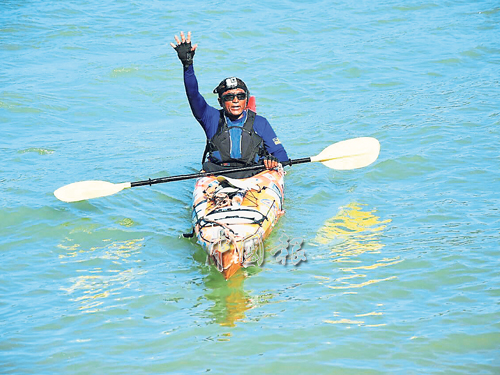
column 105, row 271
column 229, row 298
column 353, row 231
column 352, row 239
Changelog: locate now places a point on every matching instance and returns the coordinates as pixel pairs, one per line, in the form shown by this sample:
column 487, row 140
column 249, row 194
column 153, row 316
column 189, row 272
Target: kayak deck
column 232, row 217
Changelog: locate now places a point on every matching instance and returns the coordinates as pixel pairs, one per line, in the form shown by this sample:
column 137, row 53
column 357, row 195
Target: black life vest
column 252, row 145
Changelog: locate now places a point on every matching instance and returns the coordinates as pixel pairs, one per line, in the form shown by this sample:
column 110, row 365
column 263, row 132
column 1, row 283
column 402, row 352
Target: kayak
column 232, row 217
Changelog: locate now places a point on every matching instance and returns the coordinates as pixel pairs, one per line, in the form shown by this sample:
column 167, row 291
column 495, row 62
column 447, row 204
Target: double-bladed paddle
column 350, row 154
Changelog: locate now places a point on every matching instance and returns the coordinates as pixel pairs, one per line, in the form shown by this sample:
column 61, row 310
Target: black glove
column 269, row 161
column 272, row 158
column 185, row 53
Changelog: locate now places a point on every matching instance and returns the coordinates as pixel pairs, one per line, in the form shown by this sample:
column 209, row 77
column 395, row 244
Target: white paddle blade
column 83, row 190
column 350, row 154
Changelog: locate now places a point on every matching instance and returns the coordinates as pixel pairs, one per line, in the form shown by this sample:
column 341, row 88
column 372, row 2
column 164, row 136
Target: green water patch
column 18, row 107
column 386, row 84
column 491, row 12
column 36, row 150
column 473, row 53
column 353, row 72
column 405, row 167
column 125, row 222
column 409, row 8
column 124, row 71
column 450, row 61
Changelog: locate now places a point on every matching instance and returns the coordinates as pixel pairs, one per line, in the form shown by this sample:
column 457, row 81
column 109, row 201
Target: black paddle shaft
column 162, row 180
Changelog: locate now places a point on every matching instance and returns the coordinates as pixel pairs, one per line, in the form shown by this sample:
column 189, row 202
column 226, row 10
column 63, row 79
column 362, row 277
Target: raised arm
column 200, row 108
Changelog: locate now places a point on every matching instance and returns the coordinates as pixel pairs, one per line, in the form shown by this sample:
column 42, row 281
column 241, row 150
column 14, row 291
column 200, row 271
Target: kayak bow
column 231, row 218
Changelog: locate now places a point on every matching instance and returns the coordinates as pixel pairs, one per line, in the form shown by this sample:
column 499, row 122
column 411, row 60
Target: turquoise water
column 402, row 256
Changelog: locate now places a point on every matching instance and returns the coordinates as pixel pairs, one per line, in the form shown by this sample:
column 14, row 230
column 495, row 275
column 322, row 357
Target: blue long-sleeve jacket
column 208, row 117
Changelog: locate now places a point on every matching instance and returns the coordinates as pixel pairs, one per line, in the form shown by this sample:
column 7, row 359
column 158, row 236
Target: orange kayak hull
column 232, row 217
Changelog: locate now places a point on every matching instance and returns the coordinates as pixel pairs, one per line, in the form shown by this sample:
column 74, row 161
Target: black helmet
column 230, row 84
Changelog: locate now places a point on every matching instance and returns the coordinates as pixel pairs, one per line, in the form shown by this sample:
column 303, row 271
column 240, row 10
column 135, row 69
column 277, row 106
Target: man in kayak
column 236, row 136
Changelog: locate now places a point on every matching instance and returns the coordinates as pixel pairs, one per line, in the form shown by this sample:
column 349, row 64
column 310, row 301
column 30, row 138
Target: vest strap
column 216, row 143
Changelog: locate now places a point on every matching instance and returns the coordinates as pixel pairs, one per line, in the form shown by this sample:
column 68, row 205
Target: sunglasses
column 230, row 97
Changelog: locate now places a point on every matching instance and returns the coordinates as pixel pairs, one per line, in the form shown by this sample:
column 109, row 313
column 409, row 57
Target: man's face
column 234, row 102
